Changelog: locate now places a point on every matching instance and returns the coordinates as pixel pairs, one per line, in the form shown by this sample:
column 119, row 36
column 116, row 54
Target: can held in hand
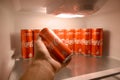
column 55, row 46
column 61, row 33
column 97, row 41
column 27, row 43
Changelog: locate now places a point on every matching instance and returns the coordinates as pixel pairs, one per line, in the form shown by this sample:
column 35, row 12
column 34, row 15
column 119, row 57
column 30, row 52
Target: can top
column 26, row 29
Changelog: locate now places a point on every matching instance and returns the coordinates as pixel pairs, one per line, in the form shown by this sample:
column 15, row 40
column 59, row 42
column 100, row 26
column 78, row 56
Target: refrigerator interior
column 13, row 19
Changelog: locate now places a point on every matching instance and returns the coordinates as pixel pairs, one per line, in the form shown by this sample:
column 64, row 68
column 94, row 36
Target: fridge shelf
column 80, row 67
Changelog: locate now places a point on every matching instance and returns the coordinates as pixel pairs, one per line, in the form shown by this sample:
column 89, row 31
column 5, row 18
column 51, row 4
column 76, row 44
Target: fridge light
column 69, row 16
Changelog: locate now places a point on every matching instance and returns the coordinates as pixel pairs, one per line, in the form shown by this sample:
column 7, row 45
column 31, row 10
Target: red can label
column 86, row 41
column 55, row 45
column 36, row 33
column 77, row 41
column 27, row 43
column 97, row 41
column 71, row 44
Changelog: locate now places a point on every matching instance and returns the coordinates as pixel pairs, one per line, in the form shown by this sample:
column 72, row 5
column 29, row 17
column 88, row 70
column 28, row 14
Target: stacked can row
column 81, row 41
column 28, row 37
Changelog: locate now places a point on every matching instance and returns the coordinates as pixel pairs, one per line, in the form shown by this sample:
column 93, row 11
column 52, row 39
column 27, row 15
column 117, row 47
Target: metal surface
column 86, row 7
column 79, row 66
column 79, row 7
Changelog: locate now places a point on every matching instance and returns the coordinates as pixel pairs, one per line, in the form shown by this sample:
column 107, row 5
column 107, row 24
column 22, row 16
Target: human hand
column 43, row 66
column 41, row 53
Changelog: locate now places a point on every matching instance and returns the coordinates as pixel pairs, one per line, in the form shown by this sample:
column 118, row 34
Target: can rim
column 67, row 58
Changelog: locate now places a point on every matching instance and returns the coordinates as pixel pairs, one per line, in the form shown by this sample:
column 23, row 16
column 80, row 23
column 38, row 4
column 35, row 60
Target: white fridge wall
column 6, row 30
column 38, row 21
column 108, row 18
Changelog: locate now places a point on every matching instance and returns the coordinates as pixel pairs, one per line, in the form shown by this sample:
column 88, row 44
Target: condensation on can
column 55, row 45
column 97, row 41
column 86, row 41
column 27, row 43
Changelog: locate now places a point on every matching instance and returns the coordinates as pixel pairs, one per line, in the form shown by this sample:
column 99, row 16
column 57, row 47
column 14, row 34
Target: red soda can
column 71, row 34
column 55, row 45
column 36, row 34
column 56, row 31
column 27, row 43
column 61, row 34
column 77, row 41
column 86, row 41
column 66, row 38
column 97, row 41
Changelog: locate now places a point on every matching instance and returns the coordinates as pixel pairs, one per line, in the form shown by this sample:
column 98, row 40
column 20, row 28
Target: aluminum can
column 97, row 41
column 61, row 33
column 56, row 31
column 36, row 34
column 71, row 44
column 77, row 41
column 86, row 41
column 55, row 45
column 27, row 43
column 66, row 37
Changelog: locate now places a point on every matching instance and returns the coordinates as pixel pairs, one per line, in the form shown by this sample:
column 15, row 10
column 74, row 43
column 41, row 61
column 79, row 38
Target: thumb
column 41, row 50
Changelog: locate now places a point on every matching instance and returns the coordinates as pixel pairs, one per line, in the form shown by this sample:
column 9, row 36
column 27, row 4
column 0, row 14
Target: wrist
column 55, row 64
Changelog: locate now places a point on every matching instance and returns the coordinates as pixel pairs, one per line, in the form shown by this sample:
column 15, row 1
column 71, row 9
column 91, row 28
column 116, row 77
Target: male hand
column 43, row 66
